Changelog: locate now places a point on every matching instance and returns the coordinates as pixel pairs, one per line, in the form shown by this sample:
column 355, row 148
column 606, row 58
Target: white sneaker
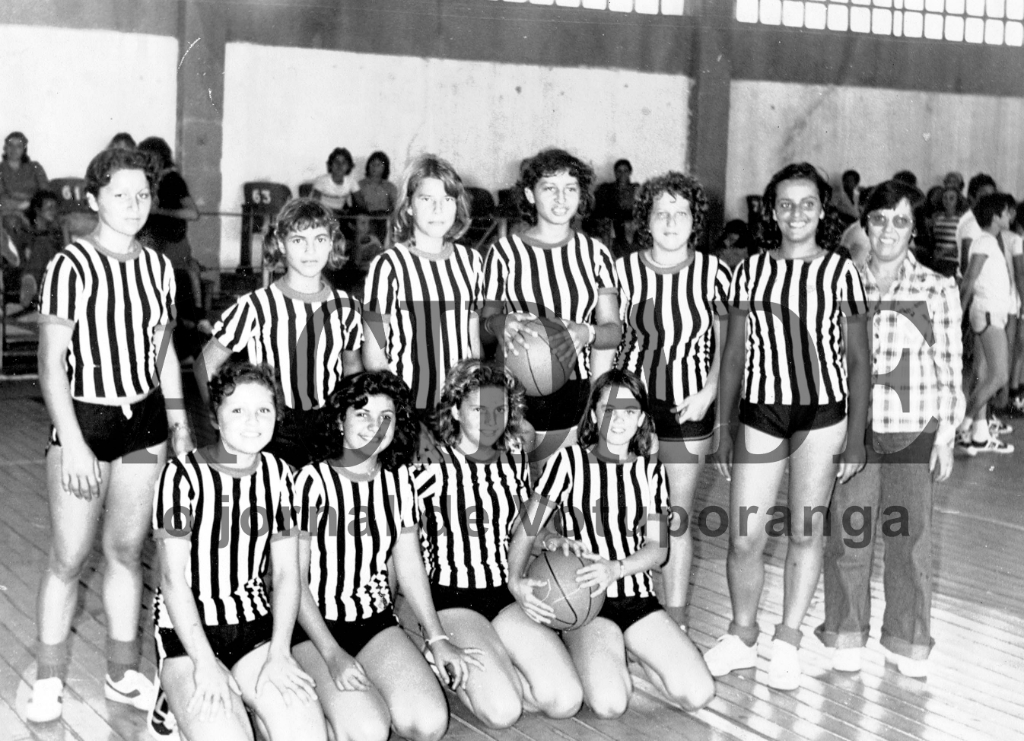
column 784, row 670
column 47, row 701
column 908, row 667
column 133, row 689
column 846, row 659
column 729, row 654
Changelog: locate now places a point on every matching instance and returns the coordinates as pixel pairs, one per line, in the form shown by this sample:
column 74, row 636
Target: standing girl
column 672, row 298
column 306, row 329
column 103, row 382
column 554, row 272
column 469, row 504
column 359, row 509
column 797, row 329
column 612, row 502
column 219, row 513
column 420, row 298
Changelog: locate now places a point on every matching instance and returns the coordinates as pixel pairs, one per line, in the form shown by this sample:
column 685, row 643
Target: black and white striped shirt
column 553, row 281
column 794, row 345
column 230, row 516
column 668, row 320
column 302, row 336
column 607, row 505
column 354, row 526
column 115, row 303
column 468, row 512
column 430, row 301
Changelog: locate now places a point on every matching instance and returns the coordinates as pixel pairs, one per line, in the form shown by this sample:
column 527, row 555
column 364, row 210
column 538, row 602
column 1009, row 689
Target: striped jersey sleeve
column 561, row 282
column 668, row 321
column 115, row 304
column 229, row 517
column 795, row 353
column 467, row 513
column 608, row 506
column 302, row 336
column 430, row 303
column 353, row 526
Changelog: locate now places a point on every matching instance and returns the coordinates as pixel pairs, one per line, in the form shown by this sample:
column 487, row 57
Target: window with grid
column 996, row 22
column 647, row 7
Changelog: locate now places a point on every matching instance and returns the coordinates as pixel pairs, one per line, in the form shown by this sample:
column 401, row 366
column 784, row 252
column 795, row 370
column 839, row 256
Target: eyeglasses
column 899, row 221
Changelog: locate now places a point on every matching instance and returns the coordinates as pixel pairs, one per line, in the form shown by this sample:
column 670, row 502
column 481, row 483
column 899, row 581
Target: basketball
column 536, row 366
column 573, row 605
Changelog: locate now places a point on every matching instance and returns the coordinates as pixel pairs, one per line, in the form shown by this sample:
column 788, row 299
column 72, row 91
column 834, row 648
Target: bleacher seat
column 261, row 200
column 76, row 218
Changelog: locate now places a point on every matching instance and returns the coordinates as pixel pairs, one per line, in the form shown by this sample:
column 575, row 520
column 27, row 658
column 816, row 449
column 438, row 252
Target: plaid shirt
column 920, row 316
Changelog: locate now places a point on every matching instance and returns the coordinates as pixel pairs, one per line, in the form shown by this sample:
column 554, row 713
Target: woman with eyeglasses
column 915, row 312
column 798, row 343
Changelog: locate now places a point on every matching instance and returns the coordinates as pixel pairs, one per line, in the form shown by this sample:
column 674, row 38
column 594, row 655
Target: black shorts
column 352, row 636
column 295, row 437
column 560, row 410
column 230, row 643
column 627, row 611
column 785, row 420
column 488, row 601
column 112, row 432
column 666, row 424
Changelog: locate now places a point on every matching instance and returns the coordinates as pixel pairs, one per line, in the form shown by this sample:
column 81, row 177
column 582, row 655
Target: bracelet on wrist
column 622, row 569
column 437, row 639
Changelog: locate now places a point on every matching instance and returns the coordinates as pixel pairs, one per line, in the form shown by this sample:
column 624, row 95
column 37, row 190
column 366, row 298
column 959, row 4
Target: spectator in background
column 845, row 198
column 377, row 195
column 337, row 187
column 906, row 177
column 167, row 232
column 20, row 179
column 967, row 229
column 954, row 180
column 734, row 245
column 943, row 228
column 122, row 140
column 37, row 243
column 614, row 201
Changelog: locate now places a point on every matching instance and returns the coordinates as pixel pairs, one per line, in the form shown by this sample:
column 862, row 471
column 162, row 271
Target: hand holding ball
column 573, row 604
column 531, row 355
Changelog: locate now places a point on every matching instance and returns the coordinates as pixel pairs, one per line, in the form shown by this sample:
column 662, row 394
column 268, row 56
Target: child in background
column 359, row 512
column 308, row 330
column 38, row 243
column 419, row 301
column 608, row 472
column 222, row 644
column 336, row 188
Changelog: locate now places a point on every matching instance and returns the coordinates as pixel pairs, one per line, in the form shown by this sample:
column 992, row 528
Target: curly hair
column 103, row 166
column 423, row 167
column 352, row 392
column 233, row 374
column 464, row 378
column 552, row 162
column 643, row 440
column 676, row 184
column 299, row 214
column 830, row 226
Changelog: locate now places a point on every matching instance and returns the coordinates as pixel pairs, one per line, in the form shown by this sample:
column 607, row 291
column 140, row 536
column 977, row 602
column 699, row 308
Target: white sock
column 980, row 432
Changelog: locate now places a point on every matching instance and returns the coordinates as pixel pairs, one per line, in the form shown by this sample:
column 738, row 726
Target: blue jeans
column 896, row 476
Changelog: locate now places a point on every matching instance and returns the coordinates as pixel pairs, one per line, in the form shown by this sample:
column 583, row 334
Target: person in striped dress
column 419, row 304
column 106, row 363
column 359, row 513
column 308, row 330
column 554, row 272
column 220, row 514
column 612, row 501
column 797, row 341
column 469, row 504
column 672, row 304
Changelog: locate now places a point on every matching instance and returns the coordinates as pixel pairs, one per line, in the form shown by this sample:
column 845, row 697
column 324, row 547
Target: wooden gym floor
column 975, row 690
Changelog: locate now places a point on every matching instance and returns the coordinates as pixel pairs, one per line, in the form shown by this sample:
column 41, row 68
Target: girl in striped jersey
column 359, row 509
column 612, row 502
column 469, row 504
column 105, row 363
column 554, row 272
column 219, row 513
column 797, row 330
column 419, row 301
column 672, row 298
column 302, row 326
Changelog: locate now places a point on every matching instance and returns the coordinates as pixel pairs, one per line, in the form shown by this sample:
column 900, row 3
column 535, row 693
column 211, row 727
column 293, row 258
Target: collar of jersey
column 235, row 473
column 547, row 245
column 449, row 248
column 310, row 298
column 119, row 256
